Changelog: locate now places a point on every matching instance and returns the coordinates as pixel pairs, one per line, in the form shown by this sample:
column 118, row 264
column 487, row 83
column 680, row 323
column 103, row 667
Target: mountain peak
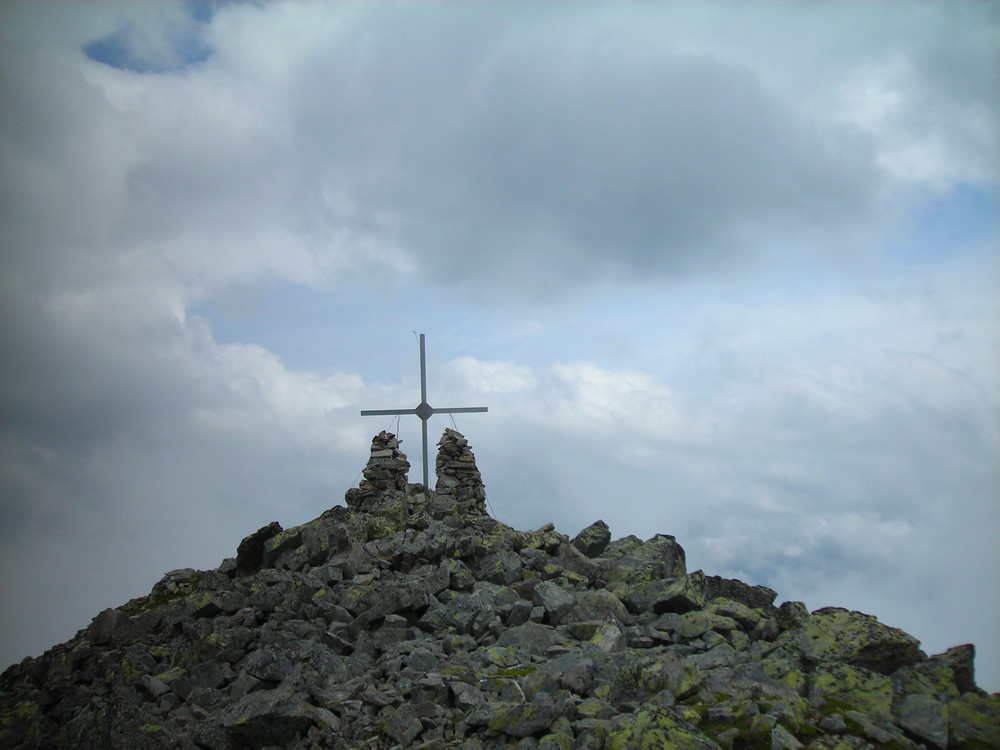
column 412, row 619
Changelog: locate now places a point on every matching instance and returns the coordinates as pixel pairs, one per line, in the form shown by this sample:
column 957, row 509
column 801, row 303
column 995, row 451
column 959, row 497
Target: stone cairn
column 457, row 474
column 386, row 470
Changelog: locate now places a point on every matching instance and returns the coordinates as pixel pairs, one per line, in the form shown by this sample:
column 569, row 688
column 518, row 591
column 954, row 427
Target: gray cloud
column 538, row 161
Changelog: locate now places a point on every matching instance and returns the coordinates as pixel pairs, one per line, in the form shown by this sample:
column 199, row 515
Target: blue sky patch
column 175, row 48
column 965, row 218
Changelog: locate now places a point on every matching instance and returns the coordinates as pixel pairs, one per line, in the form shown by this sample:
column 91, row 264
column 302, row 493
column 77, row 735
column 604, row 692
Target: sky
column 726, row 271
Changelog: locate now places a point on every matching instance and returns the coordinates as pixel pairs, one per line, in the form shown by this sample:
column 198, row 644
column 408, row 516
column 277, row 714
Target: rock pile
column 398, row 623
column 458, row 476
column 387, row 466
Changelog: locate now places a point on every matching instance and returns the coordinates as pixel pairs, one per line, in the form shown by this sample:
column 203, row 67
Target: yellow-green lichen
column 975, row 721
column 846, row 687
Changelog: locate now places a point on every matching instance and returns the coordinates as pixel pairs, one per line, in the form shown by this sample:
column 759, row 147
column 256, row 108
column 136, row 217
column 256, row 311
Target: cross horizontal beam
column 423, row 410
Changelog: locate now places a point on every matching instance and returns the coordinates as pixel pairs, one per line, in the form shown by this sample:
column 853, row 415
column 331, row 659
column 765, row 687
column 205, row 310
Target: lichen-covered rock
column 834, row 634
column 643, row 677
column 685, row 594
column 655, row 727
column 661, row 558
column 974, row 721
column 529, row 718
column 923, row 717
column 593, row 540
column 844, row 687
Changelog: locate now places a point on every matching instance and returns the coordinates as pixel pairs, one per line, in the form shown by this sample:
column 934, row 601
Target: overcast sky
column 723, row 271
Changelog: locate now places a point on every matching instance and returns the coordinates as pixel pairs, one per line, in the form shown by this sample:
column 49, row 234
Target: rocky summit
column 408, row 618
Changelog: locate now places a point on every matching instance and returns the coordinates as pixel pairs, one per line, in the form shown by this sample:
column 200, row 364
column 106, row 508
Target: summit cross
column 424, row 410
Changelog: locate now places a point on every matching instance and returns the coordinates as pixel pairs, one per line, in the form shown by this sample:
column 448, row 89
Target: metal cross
column 424, row 410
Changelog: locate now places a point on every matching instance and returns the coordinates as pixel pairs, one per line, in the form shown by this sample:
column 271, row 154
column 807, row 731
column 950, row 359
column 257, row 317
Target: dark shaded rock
column 792, row 615
column 552, row 599
column 104, row 627
column 593, row 540
column 961, row 661
column 758, row 597
column 250, row 552
column 527, row 719
column 643, row 677
column 403, row 725
column 684, row 594
column 269, row 664
column 272, row 717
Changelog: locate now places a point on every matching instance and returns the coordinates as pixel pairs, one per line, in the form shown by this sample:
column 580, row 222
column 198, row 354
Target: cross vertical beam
column 423, row 410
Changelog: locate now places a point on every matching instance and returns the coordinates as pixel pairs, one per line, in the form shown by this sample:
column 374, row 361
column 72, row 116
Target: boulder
column 757, row 597
column 847, row 687
column 548, row 595
column 272, row 717
column 250, row 552
column 685, row 594
column 974, row 721
column 660, row 558
column 834, row 634
column 104, row 627
column 530, row 718
column 593, row 540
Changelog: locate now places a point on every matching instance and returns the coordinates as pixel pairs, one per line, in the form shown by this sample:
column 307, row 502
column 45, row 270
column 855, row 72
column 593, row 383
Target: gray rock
column 925, row 718
column 250, row 553
column 533, row 637
column 465, row 696
column 527, row 719
column 403, row 725
column 757, row 597
column 660, row 558
column 268, row 664
column 104, row 627
column 553, row 599
column 269, row 717
column 682, row 595
column 834, row 634
column 574, row 670
column 593, row 540
column 151, row 686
